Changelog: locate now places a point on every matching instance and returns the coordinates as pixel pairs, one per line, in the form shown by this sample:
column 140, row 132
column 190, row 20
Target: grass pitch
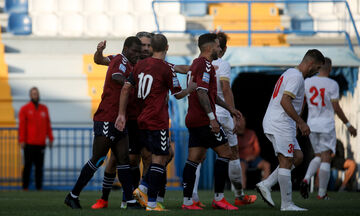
column 51, row 203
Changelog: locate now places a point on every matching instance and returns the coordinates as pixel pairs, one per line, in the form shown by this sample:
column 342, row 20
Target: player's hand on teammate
column 120, row 122
column 236, row 113
column 352, row 131
column 304, row 128
column 214, row 125
column 101, row 46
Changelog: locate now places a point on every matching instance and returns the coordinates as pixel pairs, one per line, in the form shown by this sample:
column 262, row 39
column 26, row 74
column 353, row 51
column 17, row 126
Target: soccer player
column 204, row 129
column 223, row 70
column 105, row 134
column 153, row 77
column 322, row 97
column 281, row 119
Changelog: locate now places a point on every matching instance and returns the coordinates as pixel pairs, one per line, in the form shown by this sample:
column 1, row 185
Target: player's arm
column 232, row 110
column 182, row 69
column 119, row 78
column 191, row 87
column 290, row 110
column 22, row 127
column 226, row 89
column 340, row 113
column 123, row 102
column 205, row 104
column 99, row 58
column 49, row 130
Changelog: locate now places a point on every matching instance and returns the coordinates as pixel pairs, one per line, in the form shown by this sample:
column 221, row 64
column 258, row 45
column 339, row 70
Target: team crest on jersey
column 122, row 68
column 206, row 77
column 175, row 82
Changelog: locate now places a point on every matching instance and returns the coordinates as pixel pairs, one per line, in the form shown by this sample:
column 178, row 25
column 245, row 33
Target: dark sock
column 163, row 187
column 107, row 185
column 156, row 173
column 124, row 175
column 221, row 173
column 135, row 172
column 189, row 178
column 87, row 172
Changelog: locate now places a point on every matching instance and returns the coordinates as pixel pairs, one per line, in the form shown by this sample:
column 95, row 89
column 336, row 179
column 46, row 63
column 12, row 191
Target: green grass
column 51, row 203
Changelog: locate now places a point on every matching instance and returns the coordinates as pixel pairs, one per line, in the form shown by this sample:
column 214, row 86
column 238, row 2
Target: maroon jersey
column 133, row 108
column 153, row 78
column 204, row 76
column 109, row 105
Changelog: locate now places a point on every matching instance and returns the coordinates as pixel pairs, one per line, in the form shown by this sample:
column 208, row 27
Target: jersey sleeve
column 202, row 76
column 111, row 57
column 292, row 86
column 334, row 93
column 224, row 71
column 172, row 81
column 130, row 79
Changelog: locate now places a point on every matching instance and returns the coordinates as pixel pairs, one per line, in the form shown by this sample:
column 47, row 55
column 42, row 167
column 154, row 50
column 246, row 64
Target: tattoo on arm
column 204, row 100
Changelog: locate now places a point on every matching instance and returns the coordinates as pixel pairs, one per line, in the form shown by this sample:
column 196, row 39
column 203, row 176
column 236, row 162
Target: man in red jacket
column 34, row 127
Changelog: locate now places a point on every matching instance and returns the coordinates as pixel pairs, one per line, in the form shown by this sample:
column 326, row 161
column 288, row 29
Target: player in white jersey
column 280, row 122
column 322, row 97
column 223, row 70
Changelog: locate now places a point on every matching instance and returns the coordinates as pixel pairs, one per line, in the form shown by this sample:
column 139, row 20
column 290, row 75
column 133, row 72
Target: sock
column 160, row 199
column 272, row 179
column 284, row 178
column 221, row 171
column 195, row 195
column 73, row 196
column 162, row 190
column 324, row 176
column 144, row 187
column 156, row 172
column 235, row 177
column 135, row 173
column 189, row 179
column 107, row 185
column 313, row 167
column 124, row 176
column 87, row 172
column 188, row 201
column 218, row 196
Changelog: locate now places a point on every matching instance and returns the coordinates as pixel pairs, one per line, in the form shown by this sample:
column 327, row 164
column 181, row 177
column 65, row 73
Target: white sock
column 188, row 201
column 160, row 199
column 272, row 179
column 131, row 201
column 313, row 167
column 235, row 177
column 284, row 178
column 143, row 188
column 219, row 196
column 196, row 184
column 324, row 176
column 151, row 204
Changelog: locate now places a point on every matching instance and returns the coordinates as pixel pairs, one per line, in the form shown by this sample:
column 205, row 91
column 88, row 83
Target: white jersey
column 320, row 92
column 223, row 70
column 276, row 120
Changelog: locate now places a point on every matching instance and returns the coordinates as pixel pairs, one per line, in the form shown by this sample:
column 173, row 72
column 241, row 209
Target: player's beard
column 214, row 55
column 35, row 101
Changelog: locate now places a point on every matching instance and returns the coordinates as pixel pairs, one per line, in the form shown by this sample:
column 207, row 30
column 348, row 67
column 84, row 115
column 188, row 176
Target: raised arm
column 340, row 113
column 99, row 58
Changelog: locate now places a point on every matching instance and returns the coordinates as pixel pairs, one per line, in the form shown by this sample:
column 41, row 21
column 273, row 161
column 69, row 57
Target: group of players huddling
column 133, row 121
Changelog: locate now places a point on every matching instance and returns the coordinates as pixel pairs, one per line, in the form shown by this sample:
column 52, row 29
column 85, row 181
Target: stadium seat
column 116, row 6
column 94, row 6
column 65, row 6
column 142, row 6
column 45, row 25
column 146, row 22
column 317, row 9
column 194, row 9
column 19, row 24
column 168, row 8
column 97, row 25
column 71, row 25
column 169, row 21
column 42, row 6
column 327, row 23
column 16, row 6
column 123, row 24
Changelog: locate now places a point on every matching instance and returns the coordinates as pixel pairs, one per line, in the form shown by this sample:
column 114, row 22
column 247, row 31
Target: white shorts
column 284, row 145
column 228, row 125
column 323, row 141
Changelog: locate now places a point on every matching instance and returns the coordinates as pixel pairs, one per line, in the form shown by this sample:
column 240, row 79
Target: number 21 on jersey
column 315, row 92
column 277, row 87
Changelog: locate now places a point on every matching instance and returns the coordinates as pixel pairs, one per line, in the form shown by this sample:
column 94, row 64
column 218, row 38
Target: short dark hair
column 328, row 61
column 206, row 38
column 129, row 41
column 159, row 43
column 33, row 88
column 315, row 55
column 222, row 39
column 144, row 34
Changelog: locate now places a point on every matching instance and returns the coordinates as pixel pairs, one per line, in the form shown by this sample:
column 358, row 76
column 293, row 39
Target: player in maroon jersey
column 204, row 129
column 153, row 78
column 106, row 135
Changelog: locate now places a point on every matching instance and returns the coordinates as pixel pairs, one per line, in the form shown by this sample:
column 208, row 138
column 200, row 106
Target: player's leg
column 28, row 160
column 162, row 191
column 264, row 166
column 324, row 174
column 39, row 164
column 349, row 167
column 134, row 151
column 243, row 172
column 195, row 195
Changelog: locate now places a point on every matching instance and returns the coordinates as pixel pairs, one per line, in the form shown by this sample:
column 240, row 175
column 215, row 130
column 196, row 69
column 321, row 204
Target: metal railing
column 249, row 31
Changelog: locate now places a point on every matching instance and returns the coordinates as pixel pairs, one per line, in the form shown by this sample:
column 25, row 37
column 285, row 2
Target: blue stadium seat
column 17, row 6
column 19, row 24
column 194, row 9
column 300, row 17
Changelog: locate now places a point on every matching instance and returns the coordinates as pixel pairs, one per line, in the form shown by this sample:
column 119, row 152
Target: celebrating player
column 281, row 119
column 322, row 97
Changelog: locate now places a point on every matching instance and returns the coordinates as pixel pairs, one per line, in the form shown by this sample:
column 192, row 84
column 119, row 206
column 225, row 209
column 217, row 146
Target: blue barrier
column 250, row 31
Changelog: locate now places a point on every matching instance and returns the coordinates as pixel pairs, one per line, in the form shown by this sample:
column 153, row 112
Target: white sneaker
column 265, row 193
column 123, row 205
column 292, row 207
